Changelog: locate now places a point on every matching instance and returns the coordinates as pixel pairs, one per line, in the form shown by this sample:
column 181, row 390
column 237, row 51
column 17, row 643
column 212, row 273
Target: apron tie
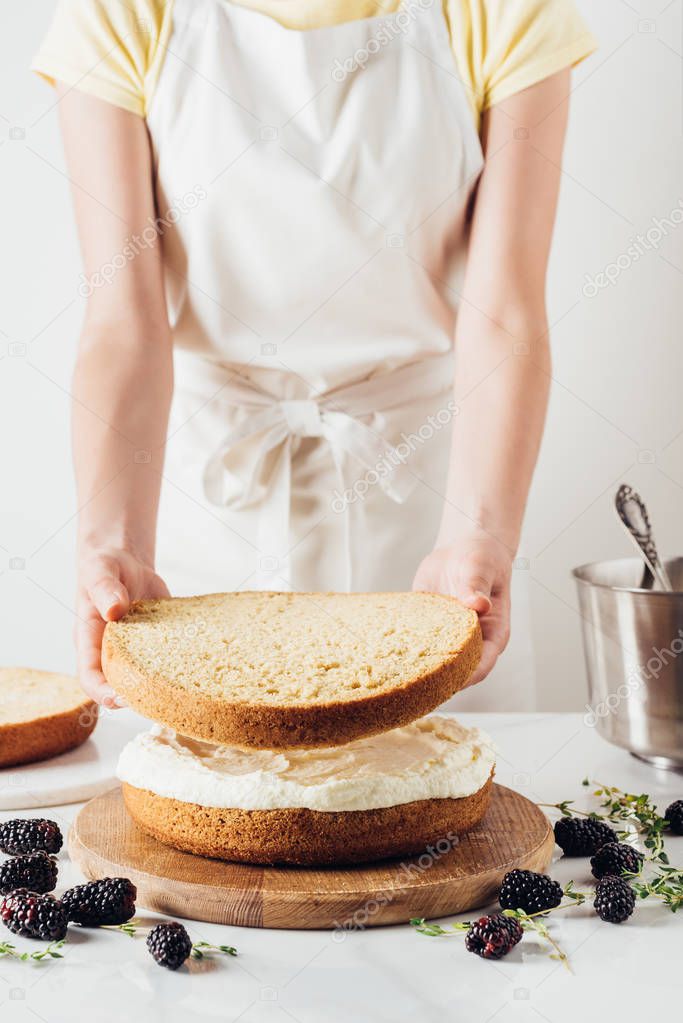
column 252, row 464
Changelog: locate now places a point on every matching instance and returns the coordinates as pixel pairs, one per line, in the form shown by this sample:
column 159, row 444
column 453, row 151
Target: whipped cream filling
column 433, row 758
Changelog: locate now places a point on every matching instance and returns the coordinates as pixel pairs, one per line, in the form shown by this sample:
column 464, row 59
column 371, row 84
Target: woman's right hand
column 110, row 579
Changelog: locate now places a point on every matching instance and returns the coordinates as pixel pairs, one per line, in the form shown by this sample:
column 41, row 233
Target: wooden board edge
column 260, row 908
column 234, row 908
column 397, row 906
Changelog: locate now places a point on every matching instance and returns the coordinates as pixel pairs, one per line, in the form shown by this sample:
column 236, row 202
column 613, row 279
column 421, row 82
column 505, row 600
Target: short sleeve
column 111, row 49
column 504, row 46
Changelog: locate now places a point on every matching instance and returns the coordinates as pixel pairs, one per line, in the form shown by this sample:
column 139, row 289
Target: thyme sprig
column 666, row 884
column 200, row 949
column 637, row 812
column 131, row 928
column 50, row 952
column 528, row 922
column 436, row 930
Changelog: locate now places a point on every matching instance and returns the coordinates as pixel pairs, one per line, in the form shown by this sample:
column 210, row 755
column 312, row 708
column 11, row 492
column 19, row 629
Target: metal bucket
column 633, row 644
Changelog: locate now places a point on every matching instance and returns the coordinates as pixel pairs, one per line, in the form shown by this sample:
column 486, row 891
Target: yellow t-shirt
column 114, row 49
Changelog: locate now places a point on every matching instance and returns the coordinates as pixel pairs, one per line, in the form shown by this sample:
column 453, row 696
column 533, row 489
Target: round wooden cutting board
column 105, row 842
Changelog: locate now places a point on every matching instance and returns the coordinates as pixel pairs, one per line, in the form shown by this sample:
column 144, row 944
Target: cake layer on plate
column 390, row 795
column 291, row 670
column 42, row 714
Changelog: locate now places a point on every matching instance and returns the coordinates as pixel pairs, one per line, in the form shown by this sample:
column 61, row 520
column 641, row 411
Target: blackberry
column 33, row 915
column 26, row 836
column 492, row 937
column 35, row 871
column 614, row 900
column 170, row 944
column 614, row 858
column 674, row 815
column 108, row 901
column 578, row 836
column 534, row 893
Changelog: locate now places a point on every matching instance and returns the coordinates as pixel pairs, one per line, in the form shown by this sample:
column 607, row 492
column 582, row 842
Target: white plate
column 80, row 774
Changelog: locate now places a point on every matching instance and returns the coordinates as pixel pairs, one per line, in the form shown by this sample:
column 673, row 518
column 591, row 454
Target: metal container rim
column 580, row 578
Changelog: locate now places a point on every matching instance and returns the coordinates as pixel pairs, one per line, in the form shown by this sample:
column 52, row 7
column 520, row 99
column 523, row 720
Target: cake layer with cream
column 433, row 758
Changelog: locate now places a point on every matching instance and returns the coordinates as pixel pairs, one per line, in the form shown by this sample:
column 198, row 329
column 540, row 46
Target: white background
column 615, row 413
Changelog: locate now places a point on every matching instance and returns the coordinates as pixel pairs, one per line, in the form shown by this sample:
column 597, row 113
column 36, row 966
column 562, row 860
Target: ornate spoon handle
column 633, row 513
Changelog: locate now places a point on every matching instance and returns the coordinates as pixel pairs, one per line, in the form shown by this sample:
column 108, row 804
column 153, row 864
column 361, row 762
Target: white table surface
column 390, row 974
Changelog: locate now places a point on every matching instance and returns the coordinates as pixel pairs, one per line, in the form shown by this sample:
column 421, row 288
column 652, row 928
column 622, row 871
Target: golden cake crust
column 281, row 726
column 303, row 837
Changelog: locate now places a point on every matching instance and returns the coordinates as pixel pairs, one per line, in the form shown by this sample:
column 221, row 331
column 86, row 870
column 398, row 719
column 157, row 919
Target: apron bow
column 252, row 463
column 242, row 469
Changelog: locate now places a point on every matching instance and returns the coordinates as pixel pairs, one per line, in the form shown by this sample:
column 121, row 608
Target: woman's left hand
column 477, row 571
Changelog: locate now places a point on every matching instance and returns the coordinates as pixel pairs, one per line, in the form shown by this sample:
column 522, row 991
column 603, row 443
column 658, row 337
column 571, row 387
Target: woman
column 283, row 194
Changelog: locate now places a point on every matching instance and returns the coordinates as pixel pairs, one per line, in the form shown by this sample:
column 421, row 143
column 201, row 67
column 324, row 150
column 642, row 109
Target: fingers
column 476, row 575
column 110, row 597
column 489, row 656
column 89, row 630
column 479, row 577
column 423, row 580
column 105, row 597
column 469, row 580
column 104, row 587
column 158, row 588
column 478, row 601
column 495, row 628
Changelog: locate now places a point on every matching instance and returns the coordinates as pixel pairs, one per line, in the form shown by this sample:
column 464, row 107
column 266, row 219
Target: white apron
column 314, row 188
